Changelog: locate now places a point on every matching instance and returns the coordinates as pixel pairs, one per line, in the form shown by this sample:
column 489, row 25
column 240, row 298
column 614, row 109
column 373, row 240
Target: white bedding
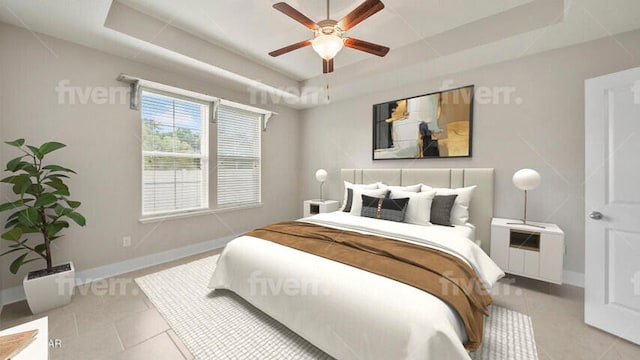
column 347, row 312
column 467, row 230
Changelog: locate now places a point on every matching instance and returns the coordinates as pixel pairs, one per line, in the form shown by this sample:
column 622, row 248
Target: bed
column 351, row 313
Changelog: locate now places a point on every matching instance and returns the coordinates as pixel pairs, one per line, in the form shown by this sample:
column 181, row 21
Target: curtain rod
column 139, row 82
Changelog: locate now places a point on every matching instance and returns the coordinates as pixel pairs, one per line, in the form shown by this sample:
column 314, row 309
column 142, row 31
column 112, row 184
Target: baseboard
column 14, row 294
column 573, row 278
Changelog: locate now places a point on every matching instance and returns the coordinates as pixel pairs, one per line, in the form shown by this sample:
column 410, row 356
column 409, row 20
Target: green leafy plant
column 43, row 207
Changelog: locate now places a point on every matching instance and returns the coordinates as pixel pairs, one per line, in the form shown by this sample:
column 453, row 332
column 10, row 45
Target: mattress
column 347, row 312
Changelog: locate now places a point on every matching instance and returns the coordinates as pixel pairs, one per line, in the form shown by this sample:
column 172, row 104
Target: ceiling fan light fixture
column 329, row 35
column 327, row 45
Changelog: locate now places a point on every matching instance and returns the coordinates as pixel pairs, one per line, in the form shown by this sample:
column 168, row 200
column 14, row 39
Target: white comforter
column 347, row 312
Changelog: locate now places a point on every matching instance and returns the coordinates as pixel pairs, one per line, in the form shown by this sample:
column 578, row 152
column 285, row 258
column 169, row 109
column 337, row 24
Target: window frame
column 205, row 152
column 210, row 137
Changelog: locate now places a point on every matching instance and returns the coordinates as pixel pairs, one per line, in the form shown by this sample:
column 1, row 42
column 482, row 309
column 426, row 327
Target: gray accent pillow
column 347, row 206
column 384, row 208
column 441, row 209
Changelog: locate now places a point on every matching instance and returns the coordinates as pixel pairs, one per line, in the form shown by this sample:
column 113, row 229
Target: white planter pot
column 50, row 291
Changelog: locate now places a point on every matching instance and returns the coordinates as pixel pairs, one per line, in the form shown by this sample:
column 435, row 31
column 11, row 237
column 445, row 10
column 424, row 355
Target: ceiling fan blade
column 295, row 15
column 327, row 66
column 362, row 12
column 366, row 46
column 291, row 47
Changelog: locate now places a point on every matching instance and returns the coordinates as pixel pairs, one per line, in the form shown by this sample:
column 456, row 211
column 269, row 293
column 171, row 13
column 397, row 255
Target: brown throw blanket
column 434, row 271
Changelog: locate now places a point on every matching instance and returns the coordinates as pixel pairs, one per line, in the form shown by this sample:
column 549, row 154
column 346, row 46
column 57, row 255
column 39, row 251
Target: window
column 175, row 154
column 239, row 152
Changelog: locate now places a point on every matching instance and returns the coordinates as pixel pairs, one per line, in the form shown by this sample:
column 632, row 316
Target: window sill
column 188, row 214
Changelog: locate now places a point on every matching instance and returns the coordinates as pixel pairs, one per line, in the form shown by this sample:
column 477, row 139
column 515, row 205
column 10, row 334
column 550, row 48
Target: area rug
column 221, row 325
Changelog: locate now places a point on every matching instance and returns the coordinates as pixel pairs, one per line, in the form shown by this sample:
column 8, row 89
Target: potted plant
column 37, row 218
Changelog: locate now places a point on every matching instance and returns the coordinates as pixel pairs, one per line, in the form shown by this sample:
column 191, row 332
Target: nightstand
column 529, row 251
column 313, row 207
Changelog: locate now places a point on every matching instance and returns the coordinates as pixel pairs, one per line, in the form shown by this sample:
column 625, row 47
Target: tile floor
column 125, row 325
column 108, row 320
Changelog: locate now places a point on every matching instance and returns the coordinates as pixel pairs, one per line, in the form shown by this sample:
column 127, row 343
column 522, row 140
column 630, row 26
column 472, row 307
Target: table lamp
column 321, row 176
column 526, row 179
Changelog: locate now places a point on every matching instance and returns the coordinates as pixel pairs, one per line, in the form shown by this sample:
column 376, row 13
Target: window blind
column 239, row 155
column 175, row 154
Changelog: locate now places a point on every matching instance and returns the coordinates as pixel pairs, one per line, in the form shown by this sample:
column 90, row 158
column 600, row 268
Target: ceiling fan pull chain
column 327, row 91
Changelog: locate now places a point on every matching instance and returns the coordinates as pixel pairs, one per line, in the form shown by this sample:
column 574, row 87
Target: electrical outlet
column 126, row 241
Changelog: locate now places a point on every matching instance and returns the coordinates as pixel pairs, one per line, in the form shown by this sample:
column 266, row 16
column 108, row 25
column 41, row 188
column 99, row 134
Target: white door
column 612, row 230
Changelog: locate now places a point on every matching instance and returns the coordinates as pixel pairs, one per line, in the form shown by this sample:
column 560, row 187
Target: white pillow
column 409, row 188
column 419, row 207
column 460, row 210
column 348, row 185
column 356, row 204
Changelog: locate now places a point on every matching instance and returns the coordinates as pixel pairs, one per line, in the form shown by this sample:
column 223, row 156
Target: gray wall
column 542, row 127
column 104, row 148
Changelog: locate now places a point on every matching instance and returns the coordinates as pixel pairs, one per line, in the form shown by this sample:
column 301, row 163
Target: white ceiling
column 253, row 28
column 231, row 39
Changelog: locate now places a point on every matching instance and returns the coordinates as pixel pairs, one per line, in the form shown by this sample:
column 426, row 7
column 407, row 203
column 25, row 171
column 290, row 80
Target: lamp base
column 524, row 222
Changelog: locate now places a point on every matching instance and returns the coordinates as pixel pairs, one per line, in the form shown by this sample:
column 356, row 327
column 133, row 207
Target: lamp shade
column 321, row 175
column 327, row 46
column 526, row 179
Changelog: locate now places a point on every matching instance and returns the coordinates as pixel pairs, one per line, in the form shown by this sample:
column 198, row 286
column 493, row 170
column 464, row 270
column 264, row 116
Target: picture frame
column 431, row 126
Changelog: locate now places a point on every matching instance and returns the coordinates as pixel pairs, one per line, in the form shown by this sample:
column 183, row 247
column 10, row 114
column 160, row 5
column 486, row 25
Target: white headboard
column 481, row 209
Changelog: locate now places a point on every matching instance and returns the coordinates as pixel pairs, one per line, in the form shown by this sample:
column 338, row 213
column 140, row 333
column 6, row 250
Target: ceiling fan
column 329, row 35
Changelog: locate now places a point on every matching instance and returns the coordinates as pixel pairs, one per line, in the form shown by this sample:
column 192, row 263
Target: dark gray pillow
column 384, row 208
column 441, row 209
column 347, row 206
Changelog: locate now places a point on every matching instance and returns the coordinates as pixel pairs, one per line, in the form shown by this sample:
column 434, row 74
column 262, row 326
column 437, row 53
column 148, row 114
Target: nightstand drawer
column 524, row 261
